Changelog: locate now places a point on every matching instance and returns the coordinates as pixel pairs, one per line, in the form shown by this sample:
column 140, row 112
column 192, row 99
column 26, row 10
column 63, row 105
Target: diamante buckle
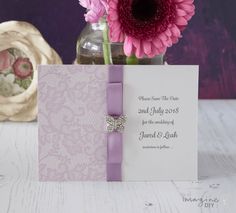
column 115, row 124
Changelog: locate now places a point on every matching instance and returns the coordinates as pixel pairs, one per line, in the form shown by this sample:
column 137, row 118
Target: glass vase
column 90, row 48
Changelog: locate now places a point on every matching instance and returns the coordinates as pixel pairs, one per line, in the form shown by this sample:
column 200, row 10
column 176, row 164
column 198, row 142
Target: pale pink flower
column 95, row 9
column 148, row 27
column 6, row 60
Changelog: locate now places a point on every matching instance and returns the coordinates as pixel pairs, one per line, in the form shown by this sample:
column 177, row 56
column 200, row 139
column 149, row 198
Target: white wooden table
column 20, row 192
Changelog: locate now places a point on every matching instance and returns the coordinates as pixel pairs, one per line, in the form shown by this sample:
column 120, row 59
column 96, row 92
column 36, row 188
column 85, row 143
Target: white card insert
column 160, row 137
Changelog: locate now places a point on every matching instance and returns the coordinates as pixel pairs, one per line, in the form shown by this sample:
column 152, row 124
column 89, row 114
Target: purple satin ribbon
column 114, row 108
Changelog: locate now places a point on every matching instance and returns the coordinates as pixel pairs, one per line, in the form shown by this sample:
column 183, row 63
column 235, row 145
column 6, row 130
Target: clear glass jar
column 90, row 46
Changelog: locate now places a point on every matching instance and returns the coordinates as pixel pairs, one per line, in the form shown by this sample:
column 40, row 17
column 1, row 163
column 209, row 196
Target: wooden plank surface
column 20, row 192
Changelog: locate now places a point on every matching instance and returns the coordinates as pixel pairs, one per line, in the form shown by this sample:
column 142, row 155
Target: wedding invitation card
column 158, row 113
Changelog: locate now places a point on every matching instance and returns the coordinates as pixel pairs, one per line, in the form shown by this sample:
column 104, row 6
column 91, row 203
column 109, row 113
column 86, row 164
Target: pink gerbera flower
column 95, row 9
column 148, row 27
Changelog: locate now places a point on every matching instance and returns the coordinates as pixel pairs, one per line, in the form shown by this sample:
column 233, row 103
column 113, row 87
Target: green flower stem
column 106, row 45
column 131, row 60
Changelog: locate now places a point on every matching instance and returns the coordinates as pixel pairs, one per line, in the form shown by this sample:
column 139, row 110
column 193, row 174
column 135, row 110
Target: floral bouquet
column 145, row 27
column 16, row 72
column 22, row 49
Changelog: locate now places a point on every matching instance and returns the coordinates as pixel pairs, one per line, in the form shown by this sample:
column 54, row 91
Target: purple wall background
column 60, row 21
column 210, row 39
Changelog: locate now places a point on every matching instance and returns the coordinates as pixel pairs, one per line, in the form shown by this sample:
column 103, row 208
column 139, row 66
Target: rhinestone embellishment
column 115, row 124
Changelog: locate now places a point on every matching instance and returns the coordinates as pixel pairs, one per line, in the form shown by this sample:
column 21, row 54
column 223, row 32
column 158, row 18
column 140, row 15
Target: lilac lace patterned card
column 72, row 144
column 160, row 136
